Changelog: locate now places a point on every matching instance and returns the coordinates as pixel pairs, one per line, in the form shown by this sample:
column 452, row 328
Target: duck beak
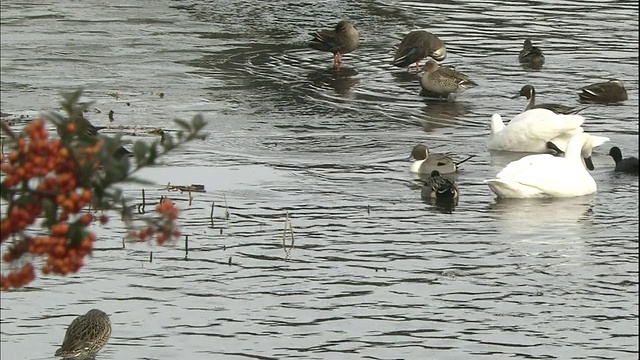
column 588, row 163
column 515, row 96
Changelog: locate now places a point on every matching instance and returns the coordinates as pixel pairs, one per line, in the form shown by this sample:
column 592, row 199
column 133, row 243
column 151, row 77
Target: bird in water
column 604, row 92
column 86, row 335
column 439, row 187
column 628, row 165
column 531, row 55
column 443, row 81
column 88, row 130
column 529, row 92
column 425, row 162
column 344, row 38
column 417, row 45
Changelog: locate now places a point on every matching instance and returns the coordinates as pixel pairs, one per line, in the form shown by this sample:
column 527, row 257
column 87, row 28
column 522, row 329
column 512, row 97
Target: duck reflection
column 439, row 114
column 445, row 206
column 342, row 80
column 407, row 76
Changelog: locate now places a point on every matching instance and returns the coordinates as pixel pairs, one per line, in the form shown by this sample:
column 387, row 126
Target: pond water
column 375, row 272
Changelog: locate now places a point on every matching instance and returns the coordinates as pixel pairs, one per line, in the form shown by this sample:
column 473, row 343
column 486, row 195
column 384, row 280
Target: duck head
column 527, row 91
column 439, row 54
column 420, row 152
column 430, row 66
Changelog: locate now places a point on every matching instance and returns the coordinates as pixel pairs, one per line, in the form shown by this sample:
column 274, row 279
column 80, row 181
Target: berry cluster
column 164, row 229
column 39, row 169
column 54, row 180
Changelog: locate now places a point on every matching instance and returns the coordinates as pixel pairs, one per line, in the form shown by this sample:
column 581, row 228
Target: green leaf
column 140, row 150
column 183, row 124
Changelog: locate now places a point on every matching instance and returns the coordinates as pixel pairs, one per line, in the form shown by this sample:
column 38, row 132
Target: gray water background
column 375, row 272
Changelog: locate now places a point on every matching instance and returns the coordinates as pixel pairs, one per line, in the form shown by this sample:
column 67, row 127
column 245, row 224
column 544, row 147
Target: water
column 374, row 272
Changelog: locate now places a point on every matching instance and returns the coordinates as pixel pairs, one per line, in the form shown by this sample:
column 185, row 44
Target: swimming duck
column 545, row 175
column 531, row 130
column 628, row 165
column 344, row 38
column 439, row 188
column 417, row 45
column 86, row 335
column 444, row 80
column 530, row 93
column 604, row 92
column 531, row 55
column 426, row 163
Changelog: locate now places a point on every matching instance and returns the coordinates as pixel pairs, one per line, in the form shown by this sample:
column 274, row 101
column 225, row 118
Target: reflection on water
column 375, row 271
column 342, row 80
column 439, row 114
column 529, row 216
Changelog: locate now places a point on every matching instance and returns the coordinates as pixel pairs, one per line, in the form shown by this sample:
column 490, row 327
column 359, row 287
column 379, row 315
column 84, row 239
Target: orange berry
column 86, row 219
column 63, row 153
column 86, row 196
column 71, row 127
column 59, row 251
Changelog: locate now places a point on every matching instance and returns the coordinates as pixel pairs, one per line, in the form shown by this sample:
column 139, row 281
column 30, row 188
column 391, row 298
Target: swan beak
column 588, row 163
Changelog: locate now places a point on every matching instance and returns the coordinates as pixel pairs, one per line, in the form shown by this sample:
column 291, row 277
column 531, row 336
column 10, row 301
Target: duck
column 439, row 188
column 88, row 130
column 86, row 335
column 344, row 38
column 426, row 163
column 417, row 45
column 443, row 80
column 628, row 165
column 532, row 130
column 531, row 55
column 545, row 175
column 604, row 92
column 529, row 92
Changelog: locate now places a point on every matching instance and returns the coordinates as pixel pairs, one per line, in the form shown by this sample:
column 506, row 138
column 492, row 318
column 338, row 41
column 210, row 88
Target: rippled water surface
column 374, row 272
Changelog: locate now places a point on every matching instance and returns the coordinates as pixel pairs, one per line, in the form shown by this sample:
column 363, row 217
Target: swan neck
column 575, row 146
column 496, row 124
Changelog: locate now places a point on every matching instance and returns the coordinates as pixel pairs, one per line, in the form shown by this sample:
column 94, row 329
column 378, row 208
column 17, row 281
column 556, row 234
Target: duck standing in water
column 417, row 45
column 86, row 335
column 344, row 38
column 443, row 81
column 531, row 55
column 604, row 92
column 426, row 163
column 530, row 93
column 439, row 188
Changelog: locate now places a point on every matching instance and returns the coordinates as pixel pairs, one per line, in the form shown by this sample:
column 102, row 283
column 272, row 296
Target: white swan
column 531, row 130
column 544, row 175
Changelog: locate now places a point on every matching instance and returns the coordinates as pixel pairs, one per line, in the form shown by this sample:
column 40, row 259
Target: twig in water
column 287, row 248
column 186, row 246
column 226, row 207
column 141, row 206
column 213, row 205
column 150, row 256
